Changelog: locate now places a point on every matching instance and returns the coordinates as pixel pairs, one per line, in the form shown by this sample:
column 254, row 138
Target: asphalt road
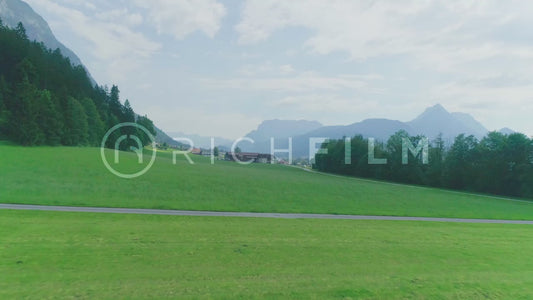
column 247, row 214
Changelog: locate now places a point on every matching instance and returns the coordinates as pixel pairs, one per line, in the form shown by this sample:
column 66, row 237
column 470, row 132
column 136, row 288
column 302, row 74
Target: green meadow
column 48, row 255
column 77, row 177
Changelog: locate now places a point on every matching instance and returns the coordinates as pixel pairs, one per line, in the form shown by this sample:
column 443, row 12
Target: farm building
column 196, row 151
column 249, row 156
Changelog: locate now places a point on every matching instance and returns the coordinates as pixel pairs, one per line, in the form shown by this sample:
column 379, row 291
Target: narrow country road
column 247, row 214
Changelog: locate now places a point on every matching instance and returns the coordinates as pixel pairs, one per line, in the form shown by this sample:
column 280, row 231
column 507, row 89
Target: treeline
column 45, row 100
column 497, row 164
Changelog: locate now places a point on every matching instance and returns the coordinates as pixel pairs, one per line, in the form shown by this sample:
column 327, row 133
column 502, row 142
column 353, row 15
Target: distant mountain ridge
column 507, row 131
column 434, row 121
column 437, row 120
column 203, row 142
column 14, row 11
column 282, row 129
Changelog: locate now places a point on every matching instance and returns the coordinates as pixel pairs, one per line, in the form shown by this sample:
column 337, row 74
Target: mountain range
column 202, row 141
column 437, row 120
column 278, row 128
column 434, row 121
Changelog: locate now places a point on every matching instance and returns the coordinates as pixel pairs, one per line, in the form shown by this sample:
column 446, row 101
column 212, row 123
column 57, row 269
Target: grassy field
column 82, row 255
column 77, row 176
column 72, row 255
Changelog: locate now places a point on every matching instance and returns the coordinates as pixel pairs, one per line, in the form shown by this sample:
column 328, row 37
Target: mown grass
column 103, row 256
column 77, row 177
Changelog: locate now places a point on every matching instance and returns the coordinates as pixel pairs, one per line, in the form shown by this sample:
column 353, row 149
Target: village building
column 249, row 156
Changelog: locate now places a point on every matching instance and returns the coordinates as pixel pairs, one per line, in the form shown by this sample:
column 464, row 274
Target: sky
column 219, row 68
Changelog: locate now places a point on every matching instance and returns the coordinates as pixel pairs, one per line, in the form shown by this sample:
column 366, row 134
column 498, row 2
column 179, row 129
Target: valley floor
column 104, row 256
column 64, row 176
column 341, row 253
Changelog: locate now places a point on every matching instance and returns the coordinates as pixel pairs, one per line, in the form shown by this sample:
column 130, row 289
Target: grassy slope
column 76, row 176
column 71, row 255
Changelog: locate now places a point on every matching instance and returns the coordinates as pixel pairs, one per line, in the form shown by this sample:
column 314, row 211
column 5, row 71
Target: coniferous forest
column 497, row 164
column 45, row 100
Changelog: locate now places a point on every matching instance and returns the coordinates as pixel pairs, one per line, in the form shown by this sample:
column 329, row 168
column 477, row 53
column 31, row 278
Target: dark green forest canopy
column 497, row 164
column 45, row 100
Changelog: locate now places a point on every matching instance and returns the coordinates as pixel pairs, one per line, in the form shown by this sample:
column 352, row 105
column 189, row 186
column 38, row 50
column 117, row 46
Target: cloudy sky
column 218, row 68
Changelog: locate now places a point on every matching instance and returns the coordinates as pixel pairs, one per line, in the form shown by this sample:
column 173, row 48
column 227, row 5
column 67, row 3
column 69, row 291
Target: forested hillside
column 497, row 164
column 44, row 100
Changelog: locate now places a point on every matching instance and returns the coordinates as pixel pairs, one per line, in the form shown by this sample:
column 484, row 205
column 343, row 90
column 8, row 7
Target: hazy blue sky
column 221, row 67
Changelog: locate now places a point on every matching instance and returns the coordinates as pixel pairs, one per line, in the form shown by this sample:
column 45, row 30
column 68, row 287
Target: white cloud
column 181, row 18
column 115, row 48
column 113, row 45
column 286, row 78
column 496, row 102
column 484, row 95
column 303, row 82
column 472, row 56
column 325, row 103
column 353, row 26
column 125, row 17
column 286, row 69
column 225, row 124
column 476, row 54
column 443, row 32
column 266, row 69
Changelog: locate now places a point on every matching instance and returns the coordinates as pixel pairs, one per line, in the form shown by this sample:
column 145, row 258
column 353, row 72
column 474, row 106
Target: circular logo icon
column 137, row 149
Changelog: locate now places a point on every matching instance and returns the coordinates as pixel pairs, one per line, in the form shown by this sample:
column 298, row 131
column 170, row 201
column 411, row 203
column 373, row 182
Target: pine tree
column 127, row 111
column 21, row 31
column 25, row 70
column 149, row 125
column 95, row 124
column 114, row 104
column 3, row 110
column 460, row 161
column 49, row 119
column 23, row 125
column 77, row 127
column 436, row 162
